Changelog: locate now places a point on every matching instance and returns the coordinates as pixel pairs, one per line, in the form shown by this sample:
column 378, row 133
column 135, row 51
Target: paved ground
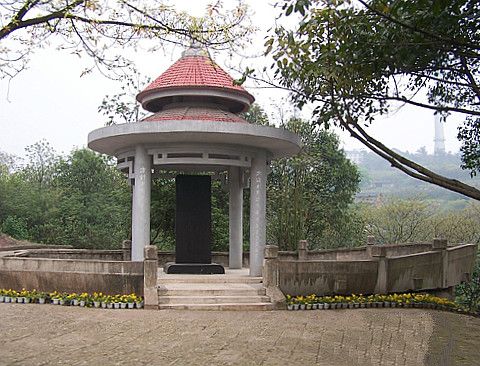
column 52, row 335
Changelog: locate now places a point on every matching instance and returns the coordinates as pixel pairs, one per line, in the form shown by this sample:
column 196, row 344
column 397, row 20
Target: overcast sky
column 51, row 101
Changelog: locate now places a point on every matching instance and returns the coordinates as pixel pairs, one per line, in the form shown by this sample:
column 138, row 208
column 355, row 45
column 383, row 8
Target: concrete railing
column 85, row 254
column 380, row 269
column 33, row 246
column 22, row 269
column 71, row 275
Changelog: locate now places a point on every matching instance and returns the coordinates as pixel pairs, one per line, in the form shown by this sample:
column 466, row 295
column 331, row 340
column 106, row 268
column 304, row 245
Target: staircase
column 212, row 292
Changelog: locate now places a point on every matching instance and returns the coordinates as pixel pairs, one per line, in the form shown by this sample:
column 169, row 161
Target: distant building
column 356, row 156
column 439, row 140
column 372, row 198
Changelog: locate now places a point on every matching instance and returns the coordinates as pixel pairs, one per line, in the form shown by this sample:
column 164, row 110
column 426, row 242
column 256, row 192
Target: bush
column 468, row 293
column 16, row 227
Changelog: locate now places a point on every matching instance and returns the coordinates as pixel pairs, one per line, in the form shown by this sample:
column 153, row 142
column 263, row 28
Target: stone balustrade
column 376, row 269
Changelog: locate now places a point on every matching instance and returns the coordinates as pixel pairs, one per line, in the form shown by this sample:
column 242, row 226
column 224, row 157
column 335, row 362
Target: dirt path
column 48, row 335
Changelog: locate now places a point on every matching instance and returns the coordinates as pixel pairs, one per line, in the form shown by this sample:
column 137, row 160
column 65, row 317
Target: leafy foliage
column 399, row 221
column 416, row 220
column 355, row 62
column 256, row 115
column 469, row 134
column 309, row 195
column 81, row 200
column 94, row 203
column 468, row 293
column 15, row 227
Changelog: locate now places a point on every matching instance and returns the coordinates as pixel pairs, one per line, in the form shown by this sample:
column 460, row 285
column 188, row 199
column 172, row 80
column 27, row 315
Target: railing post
column 127, row 250
column 150, row 272
column 270, row 274
column 302, row 250
column 441, row 245
column 271, row 277
column 380, row 253
column 370, row 245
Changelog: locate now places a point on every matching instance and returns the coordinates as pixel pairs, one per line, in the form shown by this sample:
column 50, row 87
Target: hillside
column 380, row 180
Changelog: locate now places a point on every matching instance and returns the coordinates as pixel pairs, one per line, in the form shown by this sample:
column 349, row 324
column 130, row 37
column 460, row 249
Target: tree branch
column 417, row 30
column 423, row 105
column 405, row 165
column 470, row 77
column 24, row 9
column 16, row 25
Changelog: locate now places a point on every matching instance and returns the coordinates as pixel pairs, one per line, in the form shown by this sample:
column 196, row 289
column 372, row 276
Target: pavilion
column 196, row 128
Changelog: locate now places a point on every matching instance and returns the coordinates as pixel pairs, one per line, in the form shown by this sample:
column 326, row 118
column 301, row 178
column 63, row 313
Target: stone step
column 167, row 279
column 210, row 289
column 235, row 306
column 212, row 299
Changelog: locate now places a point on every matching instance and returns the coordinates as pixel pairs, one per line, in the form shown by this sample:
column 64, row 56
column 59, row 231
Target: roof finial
column 195, row 49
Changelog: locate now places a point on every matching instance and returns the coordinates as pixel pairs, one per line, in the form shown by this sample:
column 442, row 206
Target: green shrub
column 16, row 227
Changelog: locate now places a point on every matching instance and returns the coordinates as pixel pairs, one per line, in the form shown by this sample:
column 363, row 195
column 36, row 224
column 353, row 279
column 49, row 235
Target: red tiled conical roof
column 195, row 71
column 195, row 75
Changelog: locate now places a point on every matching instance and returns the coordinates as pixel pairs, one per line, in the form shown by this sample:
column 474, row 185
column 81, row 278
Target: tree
column 8, row 161
column 100, row 28
column 41, row 160
column 256, row 114
column 309, row 195
column 358, row 60
column 80, row 200
column 27, row 198
column 399, row 221
column 93, row 210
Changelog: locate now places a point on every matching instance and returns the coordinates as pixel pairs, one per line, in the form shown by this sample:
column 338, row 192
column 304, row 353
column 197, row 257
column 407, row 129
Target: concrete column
column 258, row 201
column 141, row 203
column 235, row 214
column 150, row 273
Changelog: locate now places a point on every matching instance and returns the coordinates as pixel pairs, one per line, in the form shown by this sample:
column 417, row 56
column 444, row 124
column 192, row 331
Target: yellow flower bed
column 82, row 299
column 380, row 300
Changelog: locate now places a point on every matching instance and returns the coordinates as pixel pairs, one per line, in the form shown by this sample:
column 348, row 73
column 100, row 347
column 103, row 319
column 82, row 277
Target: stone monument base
column 193, row 268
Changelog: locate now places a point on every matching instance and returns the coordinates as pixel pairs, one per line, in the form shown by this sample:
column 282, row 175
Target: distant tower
column 439, row 147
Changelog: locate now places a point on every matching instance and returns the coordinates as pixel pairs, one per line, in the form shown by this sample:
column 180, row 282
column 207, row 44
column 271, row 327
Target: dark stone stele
column 193, row 227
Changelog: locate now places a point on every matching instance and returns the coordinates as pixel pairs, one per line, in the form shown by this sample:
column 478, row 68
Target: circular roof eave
column 111, row 140
column 147, row 97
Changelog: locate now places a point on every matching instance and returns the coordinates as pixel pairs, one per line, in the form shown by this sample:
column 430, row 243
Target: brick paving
column 55, row 335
